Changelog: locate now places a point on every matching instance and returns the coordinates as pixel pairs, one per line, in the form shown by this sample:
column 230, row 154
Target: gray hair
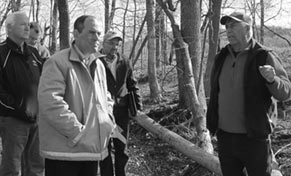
column 10, row 20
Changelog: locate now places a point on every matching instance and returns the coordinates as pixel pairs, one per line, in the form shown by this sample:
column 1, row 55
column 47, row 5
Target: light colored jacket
column 74, row 121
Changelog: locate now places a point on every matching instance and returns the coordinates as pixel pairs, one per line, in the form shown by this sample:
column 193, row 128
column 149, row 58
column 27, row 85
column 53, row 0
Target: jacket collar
column 75, row 55
column 16, row 48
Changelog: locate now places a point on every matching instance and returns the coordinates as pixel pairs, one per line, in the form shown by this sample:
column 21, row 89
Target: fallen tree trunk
column 205, row 159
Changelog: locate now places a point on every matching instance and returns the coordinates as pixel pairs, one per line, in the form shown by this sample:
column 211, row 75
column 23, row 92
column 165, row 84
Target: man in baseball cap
column 120, row 82
column 111, row 35
column 237, row 16
column 246, row 79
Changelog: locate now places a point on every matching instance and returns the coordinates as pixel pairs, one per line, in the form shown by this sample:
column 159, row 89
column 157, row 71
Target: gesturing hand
column 268, row 72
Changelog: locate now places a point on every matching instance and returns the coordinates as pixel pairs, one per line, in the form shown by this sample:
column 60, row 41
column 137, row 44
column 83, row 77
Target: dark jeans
column 70, row 168
column 20, row 144
column 120, row 155
column 237, row 151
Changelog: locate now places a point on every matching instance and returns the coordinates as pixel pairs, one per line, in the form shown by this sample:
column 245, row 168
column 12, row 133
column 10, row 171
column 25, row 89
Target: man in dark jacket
column 120, row 82
column 246, row 79
column 19, row 77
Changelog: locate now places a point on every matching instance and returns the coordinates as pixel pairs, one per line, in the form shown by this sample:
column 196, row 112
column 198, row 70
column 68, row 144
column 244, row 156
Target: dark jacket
column 124, row 82
column 19, row 77
column 259, row 106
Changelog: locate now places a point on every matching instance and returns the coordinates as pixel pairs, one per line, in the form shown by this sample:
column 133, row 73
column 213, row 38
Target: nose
column 27, row 27
column 96, row 37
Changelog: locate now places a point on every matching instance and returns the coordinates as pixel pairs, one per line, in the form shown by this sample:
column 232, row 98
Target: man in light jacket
column 74, row 106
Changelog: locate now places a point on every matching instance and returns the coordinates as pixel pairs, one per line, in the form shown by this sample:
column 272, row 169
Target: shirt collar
column 79, row 52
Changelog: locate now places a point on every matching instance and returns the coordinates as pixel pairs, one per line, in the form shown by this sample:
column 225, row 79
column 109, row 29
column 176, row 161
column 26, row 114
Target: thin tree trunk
column 137, row 38
column 106, row 15
column 124, row 25
column 54, row 22
column 64, row 23
column 215, row 7
column 197, row 109
column 134, row 30
column 164, row 38
column 158, row 35
column 155, row 90
column 262, row 21
column 37, row 11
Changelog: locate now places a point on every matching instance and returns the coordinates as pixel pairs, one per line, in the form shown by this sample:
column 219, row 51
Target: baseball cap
column 111, row 35
column 237, row 16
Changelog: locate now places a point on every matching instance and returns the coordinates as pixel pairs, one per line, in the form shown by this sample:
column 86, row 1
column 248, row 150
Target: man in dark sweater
column 246, row 79
column 120, row 82
column 19, row 77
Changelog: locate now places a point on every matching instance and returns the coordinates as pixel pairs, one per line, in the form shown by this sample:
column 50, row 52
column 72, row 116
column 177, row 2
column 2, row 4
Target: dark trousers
column 20, row 148
column 119, row 148
column 237, row 151
column 70, row 168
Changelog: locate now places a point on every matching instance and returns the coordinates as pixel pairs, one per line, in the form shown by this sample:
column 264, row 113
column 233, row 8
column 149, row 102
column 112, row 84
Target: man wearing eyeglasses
column 34, row 40
column 120, row 82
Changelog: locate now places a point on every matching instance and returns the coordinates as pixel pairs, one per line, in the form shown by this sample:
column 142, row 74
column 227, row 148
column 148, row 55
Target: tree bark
column 215, row 6
column 189, row 149
column 64, row 24
column 54, row 22
column 124, row 26
column 155, row 90
column 188, row 83
column 106, row 15
column 158, row 35
column 262, row 21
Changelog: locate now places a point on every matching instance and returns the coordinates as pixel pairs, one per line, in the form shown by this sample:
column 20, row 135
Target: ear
column 9, row 27
column 248, row 27
column 76, row 33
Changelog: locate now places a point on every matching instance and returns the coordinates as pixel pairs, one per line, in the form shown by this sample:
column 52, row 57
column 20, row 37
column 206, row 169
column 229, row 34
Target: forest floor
column 150, row 156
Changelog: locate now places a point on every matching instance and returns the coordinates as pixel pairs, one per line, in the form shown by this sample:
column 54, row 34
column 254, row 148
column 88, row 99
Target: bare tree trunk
column 215, row 7
column 106, row 15
column 124, row 25
column 54, row 22
column 31, row 11
column 64, row 23
column 5, row 14
column 262, row 21
column 37, row 10
column 158, row 35
column 134, row 30
column 196, row 107
column 155, row 90
column 189, row 149
column 109, row 14
column 135, row 41
column 164, row 38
